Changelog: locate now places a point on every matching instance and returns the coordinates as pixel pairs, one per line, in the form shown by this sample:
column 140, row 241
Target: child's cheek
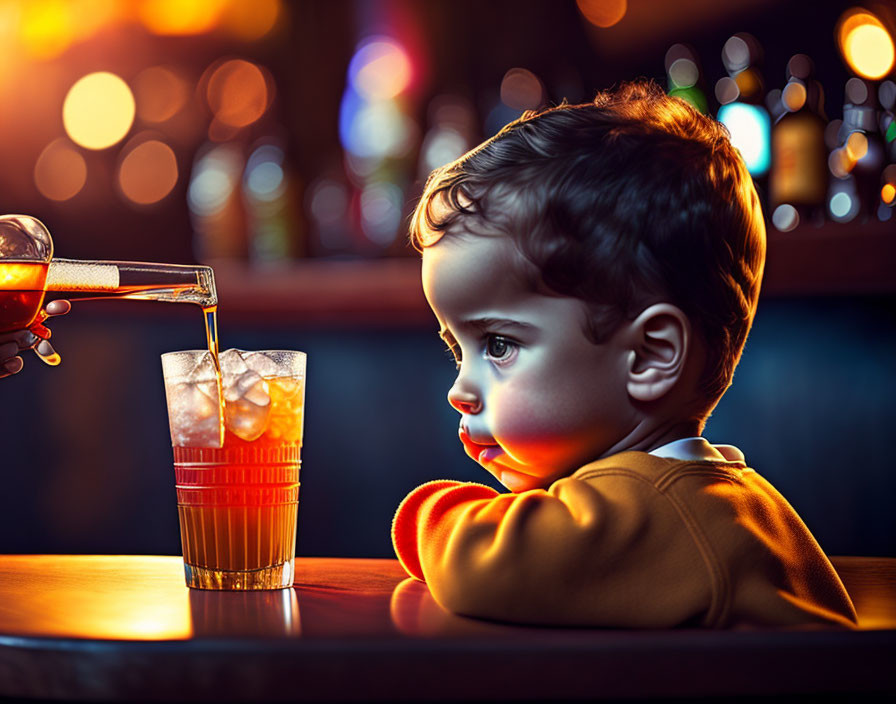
column 528, row 423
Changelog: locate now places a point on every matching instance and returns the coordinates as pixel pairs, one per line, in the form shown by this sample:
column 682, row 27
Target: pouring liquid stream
column 210, row 317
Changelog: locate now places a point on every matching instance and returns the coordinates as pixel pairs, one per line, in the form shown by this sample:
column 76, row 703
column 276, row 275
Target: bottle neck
column 135, row 280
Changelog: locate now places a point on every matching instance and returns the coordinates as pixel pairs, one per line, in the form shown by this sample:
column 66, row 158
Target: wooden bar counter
column 125, row 628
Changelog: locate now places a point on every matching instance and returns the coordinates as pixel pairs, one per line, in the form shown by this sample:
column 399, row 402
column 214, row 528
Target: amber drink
column 236, row 430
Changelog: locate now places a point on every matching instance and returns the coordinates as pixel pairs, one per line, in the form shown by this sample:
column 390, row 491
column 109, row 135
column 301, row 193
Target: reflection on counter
column 255, row 614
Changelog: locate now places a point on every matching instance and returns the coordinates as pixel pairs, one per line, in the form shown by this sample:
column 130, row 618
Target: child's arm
column 570, row 555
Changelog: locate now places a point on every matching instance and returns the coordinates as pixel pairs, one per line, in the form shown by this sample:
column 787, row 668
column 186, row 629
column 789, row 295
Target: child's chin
column 517, row 481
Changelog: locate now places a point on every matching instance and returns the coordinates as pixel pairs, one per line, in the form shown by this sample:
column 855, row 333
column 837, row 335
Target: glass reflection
column 261, row 614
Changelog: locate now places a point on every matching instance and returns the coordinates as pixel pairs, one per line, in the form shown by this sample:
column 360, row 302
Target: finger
column 27, row 340
column 8, row 350
column 47, row 354
column 24, row 339
column 11, row 366
column 60, row 307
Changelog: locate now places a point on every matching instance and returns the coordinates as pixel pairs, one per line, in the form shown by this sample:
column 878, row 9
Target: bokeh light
column 866, row 44
column 264, row 176
column 380, row 69
column 856, row 145
column 98, row 110
column 888, row 193
column 602, row 13
column 238, row 92
column 749, row 84
column 683, row 73
column 521, row 90
column 886, row 93
column 148, row 172
column 800, row 66
column 726, row 90
column 840, row 163
column 45, row 27
column 843, row 201
column 373, row 129
column 251, row 19
column 832, row 134
column 736, row 54
column 856, row 91
column 843, row 206
column 750, row 130
column 441, row 146
column 840, row 204
column 215, row 175
column 785, row 218
column 794, row 96
column 692, row 95
column 180, row 17
column 160, row 93
column 381, row 211
column 94, row 15
column 60, row 172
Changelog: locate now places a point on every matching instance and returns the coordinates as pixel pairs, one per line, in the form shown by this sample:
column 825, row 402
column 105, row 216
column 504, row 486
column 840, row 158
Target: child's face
column 537, row 398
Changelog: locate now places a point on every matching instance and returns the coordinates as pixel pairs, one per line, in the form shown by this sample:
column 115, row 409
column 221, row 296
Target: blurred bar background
column 284, row 143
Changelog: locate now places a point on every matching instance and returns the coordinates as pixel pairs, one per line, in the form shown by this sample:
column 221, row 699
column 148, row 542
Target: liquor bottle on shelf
column 860, row 157
column 798, row 176
column 684, row 76
column 886, row 96
column 742, row 110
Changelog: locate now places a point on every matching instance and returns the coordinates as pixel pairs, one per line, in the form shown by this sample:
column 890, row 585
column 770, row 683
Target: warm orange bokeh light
column 888, row 193
column 794, row 96
column 94, row 15
column 148, row 172
column 160, row 93
column 603, row 13
column 856, row 146
column 251, row 19
column 98, row 110
column 866, row 44
column 180, row 17
column 60, row 172
column 238, row 93
column 45, row 27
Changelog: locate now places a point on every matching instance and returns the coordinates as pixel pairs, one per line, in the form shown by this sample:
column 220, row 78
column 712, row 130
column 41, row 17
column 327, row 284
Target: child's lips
column 481, row 452
column 488, row 454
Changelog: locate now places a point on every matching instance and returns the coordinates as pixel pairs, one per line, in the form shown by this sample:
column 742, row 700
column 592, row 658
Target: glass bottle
column 798, row 176
column 29, row 273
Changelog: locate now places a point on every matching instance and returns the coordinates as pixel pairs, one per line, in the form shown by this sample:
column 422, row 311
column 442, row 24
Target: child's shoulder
column 662, row 472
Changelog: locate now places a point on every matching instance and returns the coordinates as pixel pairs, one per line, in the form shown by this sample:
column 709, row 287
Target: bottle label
column 79, row 276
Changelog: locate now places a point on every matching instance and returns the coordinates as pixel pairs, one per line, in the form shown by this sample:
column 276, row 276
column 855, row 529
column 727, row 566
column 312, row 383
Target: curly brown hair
column 630, row 200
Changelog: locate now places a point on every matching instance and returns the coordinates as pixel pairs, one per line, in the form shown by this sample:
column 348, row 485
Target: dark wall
column 86, row 458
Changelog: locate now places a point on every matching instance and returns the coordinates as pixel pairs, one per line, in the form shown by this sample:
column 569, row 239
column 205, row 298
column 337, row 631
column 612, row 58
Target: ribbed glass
column 238, row 511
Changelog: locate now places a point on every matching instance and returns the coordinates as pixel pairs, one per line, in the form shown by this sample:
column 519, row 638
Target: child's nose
column 464, row 400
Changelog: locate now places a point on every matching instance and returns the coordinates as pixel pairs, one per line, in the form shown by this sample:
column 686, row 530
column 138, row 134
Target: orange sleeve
column 570, row 555
column 409, row 525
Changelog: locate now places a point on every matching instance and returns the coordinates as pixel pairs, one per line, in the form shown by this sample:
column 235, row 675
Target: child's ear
column 659, row 344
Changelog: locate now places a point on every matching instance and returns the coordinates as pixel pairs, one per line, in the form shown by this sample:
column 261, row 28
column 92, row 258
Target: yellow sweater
column 631, row 541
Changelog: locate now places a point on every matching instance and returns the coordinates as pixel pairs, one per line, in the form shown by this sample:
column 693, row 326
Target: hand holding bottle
column 11, row 343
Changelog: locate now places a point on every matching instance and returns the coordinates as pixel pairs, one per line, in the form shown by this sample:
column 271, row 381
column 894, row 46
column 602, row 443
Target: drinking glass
column 237, row 439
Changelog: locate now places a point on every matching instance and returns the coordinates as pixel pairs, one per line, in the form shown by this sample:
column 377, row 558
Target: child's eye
column 500, row 349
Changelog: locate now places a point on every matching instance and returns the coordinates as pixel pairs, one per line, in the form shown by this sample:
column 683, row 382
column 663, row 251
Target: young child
column 595, row 270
